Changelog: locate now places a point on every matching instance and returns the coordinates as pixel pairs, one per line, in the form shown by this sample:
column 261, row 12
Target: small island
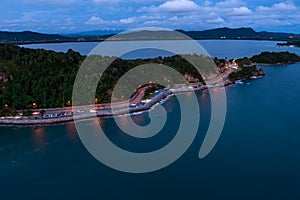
column 295, row 43
column 36, row 85
column 275, row 58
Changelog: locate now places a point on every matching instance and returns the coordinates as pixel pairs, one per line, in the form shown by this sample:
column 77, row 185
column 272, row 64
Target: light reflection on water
column 203, row 96
column 71, row 131
column 38, row 136
column 256, row 157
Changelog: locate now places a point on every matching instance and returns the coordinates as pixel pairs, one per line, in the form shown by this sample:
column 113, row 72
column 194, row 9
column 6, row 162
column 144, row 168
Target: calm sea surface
column 257, row 156
column 216, row 48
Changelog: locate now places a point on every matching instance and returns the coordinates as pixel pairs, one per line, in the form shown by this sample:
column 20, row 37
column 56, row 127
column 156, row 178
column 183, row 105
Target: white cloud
column 173, row 6
column 285, row 6
column 95, row 21
column 231, row 13
column 218, row 20
column 179, row 6
column 241, row 11
column 229, row 4
column 129, row 20
column 281, row 6
column 176, row 14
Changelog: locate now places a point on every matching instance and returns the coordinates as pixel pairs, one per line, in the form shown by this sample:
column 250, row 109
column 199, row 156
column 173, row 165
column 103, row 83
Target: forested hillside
column 46, row 78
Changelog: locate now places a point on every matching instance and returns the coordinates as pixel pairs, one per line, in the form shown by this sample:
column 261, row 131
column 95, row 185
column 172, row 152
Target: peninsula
column 36, row 85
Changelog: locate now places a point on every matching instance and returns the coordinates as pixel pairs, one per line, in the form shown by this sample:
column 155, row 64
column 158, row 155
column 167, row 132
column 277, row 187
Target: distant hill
column 239, row 33
column 94, row 33
column 149, row 35
column 28, row 37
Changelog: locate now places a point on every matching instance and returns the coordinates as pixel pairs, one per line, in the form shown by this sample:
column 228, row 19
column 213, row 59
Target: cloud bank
column 70, row 15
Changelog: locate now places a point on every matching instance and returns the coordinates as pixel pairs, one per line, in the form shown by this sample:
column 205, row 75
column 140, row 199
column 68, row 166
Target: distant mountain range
column 239, row 33
column 219, row 33
column 28, row 36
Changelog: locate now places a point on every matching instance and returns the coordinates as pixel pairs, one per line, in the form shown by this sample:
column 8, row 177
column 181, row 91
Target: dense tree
column 275, row 58
column 46, row 78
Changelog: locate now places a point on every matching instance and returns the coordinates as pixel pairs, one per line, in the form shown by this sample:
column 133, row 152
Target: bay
column 215, row 48
column 257, row 156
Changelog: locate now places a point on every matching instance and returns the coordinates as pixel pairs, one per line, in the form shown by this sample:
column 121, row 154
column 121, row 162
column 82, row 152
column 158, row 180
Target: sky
column 72, row 16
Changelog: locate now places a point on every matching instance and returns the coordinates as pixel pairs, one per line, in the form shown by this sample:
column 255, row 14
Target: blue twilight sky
column 66, row 16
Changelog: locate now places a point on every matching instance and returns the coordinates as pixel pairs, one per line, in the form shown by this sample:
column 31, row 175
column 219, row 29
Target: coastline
column 276, row 64
column 105, row 110
column 106, row 39
column 99, row 113
column 72, row 114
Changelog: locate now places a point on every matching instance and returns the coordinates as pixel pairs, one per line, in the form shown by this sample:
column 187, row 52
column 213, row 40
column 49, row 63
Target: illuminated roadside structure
column 232, row 64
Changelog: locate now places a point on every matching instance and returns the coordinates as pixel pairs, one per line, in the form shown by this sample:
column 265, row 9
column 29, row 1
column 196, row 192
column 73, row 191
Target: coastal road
column 124, row 104
column 220, row 79
column 138, row 97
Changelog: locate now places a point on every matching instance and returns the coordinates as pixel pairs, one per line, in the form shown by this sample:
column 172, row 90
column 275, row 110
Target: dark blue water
column 242, row 48
column 257, row 156
column 216, row 48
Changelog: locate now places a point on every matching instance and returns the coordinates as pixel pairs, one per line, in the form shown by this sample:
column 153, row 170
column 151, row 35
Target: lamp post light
column 34, row 105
